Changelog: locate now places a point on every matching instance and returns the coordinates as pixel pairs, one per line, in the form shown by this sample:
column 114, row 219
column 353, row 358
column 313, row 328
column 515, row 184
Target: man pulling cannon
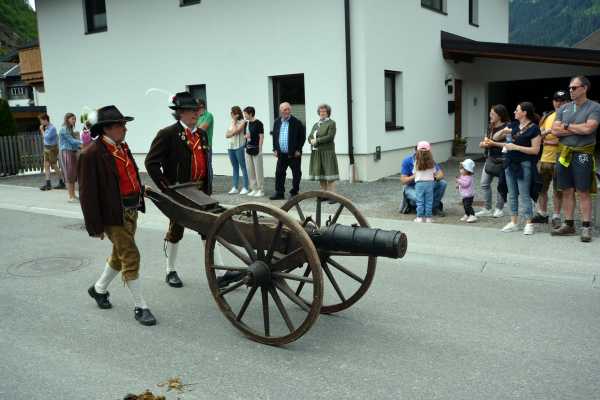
column 180, row 154
column 111, row 194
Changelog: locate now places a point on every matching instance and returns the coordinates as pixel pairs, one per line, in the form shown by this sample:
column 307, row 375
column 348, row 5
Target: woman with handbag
column 255, row 134
column 522, row 145
column 323, row 160
column 494, row 160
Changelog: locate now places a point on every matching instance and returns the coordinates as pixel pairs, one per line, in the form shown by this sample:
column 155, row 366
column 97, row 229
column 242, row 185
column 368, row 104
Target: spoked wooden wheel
column 265, row 244
column 345, row 284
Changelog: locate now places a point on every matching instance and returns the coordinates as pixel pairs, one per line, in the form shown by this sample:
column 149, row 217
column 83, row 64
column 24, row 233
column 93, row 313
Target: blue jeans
column 424, row 193
column 439, row 188
column 238, row 161
column 518, row 191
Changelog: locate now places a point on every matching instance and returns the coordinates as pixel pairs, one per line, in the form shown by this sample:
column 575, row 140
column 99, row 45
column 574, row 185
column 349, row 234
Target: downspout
column 351, row 170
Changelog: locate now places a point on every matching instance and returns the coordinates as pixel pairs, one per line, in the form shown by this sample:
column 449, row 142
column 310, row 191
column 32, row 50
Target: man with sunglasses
column 575, row 126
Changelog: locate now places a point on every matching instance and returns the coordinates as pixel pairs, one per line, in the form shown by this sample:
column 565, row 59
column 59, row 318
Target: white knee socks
column 105, row 279
column 135, row 287
column 171, row 250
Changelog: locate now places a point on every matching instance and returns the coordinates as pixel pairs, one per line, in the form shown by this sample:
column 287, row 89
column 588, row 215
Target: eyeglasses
column 574, row 88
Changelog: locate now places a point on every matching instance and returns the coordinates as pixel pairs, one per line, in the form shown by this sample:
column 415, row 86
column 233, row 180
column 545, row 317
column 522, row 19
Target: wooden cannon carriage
column 291, row 254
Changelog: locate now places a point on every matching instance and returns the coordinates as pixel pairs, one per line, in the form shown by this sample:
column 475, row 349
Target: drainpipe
column 351, row 171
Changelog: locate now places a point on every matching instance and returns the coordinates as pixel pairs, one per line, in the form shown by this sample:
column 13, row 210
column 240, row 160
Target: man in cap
column 111, row 194
column 180, row 154
column 547, row 165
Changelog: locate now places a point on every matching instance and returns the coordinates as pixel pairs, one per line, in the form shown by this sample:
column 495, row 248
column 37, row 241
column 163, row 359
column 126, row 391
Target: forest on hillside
column 553, row 22
column 18, row 24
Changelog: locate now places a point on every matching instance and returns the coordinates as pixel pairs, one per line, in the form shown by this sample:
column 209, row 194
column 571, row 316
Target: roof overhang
column 461, row 49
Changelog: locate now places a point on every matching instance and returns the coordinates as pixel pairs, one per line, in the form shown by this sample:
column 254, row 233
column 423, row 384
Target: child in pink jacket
column 465, row 186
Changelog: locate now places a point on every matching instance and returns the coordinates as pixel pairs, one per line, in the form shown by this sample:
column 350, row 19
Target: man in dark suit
column 289, row 136
column 179, row 154
column 111, row 194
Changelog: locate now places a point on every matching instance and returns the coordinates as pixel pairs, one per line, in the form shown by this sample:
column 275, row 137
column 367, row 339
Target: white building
column 403, row 82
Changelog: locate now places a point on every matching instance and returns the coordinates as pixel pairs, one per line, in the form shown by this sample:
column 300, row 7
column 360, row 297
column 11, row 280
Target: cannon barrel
column 360, row 240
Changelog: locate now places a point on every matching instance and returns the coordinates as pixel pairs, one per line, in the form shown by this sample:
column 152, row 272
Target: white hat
column 469, row 165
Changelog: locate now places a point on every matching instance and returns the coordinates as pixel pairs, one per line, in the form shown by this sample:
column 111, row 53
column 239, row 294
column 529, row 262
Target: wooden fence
column 21, row 153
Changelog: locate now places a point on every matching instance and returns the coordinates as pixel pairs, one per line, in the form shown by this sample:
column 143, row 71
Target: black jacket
column 296, row 135
column 99, row 192
column 169, row 160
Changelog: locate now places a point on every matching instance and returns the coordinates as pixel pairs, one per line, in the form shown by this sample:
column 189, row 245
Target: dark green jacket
column 325, row 135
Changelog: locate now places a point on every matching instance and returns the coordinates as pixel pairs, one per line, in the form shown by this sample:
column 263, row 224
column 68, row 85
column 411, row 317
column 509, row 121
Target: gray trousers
column 486, row 186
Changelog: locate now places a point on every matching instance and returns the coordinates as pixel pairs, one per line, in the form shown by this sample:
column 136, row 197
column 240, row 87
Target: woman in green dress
column 323, row 161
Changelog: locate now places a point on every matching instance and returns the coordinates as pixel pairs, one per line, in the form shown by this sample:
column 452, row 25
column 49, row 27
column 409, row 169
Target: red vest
column 199, row 167
column 128, row 181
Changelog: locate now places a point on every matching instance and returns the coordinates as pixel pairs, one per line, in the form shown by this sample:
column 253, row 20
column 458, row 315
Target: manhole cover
column 48, row 266
column 75, row 227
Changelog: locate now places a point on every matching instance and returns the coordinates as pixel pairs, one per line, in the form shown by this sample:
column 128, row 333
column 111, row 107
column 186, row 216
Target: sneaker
column 233, row 191
column 418, row 219
column 556, row 223
column 563, row 230
column 73, row 200
column 252, row 193
column 259, row 193
column 529, row 229
column 498, row 213
column 586, row 234
column 539, row 219
column 483, row 213
column 429, row 220
column 244, row 191
column 464, row 218
column 510, row 227
column 471, row 219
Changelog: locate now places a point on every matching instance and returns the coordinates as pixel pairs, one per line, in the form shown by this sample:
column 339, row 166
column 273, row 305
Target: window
column 289, row 88
column 183, row 3
column 474, row 12
column 198, row 91
column 393, row 101
column 18, row 92
column 95, row 16
column 435, row 5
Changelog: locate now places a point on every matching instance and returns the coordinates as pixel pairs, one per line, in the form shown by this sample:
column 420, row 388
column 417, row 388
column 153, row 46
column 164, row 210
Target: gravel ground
column 379, row 199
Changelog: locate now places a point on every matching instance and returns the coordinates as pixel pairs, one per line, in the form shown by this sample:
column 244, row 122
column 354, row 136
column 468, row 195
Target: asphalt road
column 446, row 322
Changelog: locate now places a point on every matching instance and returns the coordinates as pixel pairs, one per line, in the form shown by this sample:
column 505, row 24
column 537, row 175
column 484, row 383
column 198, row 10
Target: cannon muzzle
column 360, row 240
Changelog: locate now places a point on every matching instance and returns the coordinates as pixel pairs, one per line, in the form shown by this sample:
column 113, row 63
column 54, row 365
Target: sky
column 31, row 3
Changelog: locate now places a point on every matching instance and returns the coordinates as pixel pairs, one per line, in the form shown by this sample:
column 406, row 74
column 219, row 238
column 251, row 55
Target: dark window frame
column 473, row 18
column 393, row 124
column 441, row 10
column 88, row 20
column 201, row 86
column 185, row 3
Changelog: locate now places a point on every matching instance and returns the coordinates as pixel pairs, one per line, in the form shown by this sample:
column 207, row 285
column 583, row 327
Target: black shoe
column 228, row 278
column 61, row 185
column 293, row 194
column 46, row 186
column 144, row 316
column 101, row 298
column 539, row 219
column 277, row 196
column 173, row 280
column 439, row 212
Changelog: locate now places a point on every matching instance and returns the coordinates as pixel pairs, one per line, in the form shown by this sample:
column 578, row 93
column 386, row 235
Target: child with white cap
column 465, row 186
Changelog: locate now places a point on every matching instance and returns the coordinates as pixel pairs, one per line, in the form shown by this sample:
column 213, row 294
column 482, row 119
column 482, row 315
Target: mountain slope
column 17, row 24
column 553, row 22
